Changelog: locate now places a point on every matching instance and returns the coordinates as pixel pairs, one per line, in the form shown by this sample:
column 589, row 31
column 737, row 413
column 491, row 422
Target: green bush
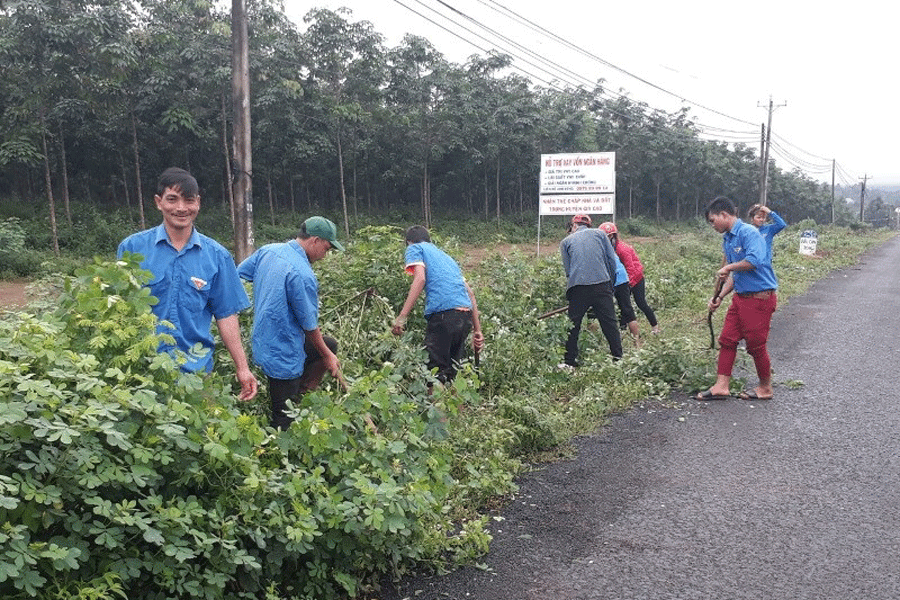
column 123, row 476
column 24, row 263
column 15, row 260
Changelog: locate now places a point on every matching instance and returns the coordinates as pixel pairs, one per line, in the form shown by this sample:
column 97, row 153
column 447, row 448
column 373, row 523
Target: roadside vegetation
column 120, row 478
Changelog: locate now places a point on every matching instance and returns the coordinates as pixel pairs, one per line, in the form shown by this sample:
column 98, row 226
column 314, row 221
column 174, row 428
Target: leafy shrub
column 12, row 235
column 15, row 260
column 20, row 264
column 121, row 474
column 121, row 477
column 805, row 224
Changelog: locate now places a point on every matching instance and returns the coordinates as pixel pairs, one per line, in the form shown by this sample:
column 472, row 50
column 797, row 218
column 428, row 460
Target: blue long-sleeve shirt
column 285, row 307
column 744, row 242
column 588, row 257
column 769, row 230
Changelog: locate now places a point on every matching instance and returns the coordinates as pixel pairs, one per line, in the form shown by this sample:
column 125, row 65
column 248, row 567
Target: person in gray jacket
column 589, row 261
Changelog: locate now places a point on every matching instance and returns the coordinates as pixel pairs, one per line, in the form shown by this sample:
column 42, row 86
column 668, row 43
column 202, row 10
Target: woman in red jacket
column 635, row 271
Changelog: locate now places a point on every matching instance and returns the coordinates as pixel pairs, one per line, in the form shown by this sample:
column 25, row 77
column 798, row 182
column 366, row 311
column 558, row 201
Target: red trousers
column 748, row 318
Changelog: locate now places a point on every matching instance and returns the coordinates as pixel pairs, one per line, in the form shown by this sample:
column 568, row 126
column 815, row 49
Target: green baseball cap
column 323, row 228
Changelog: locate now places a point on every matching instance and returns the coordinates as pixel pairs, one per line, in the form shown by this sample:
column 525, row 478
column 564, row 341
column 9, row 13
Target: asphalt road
column 795, row 498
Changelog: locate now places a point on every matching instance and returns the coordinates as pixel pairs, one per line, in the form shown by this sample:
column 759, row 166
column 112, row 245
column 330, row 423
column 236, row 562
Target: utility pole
column 762, row 163
column 833, row 163
column 862, row 197
column 242, row 201
column 764, row 187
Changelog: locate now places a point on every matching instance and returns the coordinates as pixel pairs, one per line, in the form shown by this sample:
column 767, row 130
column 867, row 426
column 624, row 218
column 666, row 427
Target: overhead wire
column 550, row 34
column 552, row 78
column 549, row 83
column 514, row 55
column 743, row 137
column 795, row 160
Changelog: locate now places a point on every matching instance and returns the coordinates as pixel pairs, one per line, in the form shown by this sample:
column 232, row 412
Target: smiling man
column 194, row 278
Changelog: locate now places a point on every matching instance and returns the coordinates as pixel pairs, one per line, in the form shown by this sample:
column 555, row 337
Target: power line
column 602, row 61
column 514, row 56
column 506, row 11
column 511, row 54
column 572, row 78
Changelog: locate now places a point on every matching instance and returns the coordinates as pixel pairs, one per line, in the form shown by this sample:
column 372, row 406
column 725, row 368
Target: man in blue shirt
column 746, row 270
column 450, row 307
column 194, row 278
column 589, row 261
column 287, row 342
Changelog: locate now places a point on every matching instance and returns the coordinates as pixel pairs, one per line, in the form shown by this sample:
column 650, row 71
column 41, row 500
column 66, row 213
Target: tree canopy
column 102, row 95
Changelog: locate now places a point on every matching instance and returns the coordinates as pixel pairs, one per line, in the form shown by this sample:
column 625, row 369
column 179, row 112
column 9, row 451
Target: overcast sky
column 829, row 68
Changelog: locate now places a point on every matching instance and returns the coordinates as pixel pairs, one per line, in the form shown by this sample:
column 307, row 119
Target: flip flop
column 751, row 395
column 708, row 395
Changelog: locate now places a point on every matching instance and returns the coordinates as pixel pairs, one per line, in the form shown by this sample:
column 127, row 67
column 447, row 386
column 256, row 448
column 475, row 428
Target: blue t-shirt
column 445, row 288
column 745, row 242
column 621, row 273
column 285, row 307
column 193, row 286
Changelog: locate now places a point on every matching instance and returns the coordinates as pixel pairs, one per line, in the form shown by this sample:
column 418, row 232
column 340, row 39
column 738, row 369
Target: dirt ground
column 472, row 256
column 13, row 294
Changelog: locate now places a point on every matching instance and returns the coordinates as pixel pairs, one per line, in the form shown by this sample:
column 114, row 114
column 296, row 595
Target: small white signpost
column 808, row 242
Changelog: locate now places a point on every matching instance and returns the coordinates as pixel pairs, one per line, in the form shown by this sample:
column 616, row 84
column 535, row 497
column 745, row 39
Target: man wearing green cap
column 287, row 343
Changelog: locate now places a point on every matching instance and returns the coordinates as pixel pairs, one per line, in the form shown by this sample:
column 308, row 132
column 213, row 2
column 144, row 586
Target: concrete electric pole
column 764, row 177
column 862, row 198
column 242, row 206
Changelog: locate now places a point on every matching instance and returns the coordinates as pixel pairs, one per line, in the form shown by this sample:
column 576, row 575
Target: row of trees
column 99, row 96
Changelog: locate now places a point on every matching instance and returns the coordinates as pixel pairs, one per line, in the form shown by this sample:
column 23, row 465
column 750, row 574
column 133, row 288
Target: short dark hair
column 416, row 234
column 178, row 179
column 720, row 204
column 751, row 212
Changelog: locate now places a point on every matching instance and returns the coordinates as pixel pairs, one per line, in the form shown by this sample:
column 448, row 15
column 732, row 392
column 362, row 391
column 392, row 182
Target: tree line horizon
column 101, row 96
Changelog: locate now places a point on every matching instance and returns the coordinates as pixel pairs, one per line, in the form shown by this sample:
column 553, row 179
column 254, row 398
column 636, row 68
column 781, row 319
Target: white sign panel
column 578, row 183
column 808, row 242
column 590, row 204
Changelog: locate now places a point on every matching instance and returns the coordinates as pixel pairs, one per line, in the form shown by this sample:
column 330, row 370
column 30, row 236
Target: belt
column 445, row 313
column 761, row 295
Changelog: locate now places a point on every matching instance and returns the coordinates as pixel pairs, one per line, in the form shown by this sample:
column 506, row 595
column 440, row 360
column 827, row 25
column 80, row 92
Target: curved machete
column 712, row 334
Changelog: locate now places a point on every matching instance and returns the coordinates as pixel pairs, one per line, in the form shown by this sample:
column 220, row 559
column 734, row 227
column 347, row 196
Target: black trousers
column 445, row 339
column 598, row 297
column 623, row 299
column 640, row 298
column 282, row 390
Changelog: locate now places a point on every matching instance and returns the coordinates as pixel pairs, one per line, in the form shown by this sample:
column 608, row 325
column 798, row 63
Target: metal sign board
column 578, row 183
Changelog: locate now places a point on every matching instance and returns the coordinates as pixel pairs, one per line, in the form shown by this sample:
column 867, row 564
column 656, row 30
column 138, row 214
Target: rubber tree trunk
column 48, row 182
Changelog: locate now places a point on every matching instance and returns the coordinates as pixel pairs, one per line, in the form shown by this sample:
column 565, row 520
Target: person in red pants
column 746, row 270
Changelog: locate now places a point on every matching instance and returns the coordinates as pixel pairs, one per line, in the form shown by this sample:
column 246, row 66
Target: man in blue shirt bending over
column 287, row 342
column 451, row 311
column 194, row 278
column 589, row 261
